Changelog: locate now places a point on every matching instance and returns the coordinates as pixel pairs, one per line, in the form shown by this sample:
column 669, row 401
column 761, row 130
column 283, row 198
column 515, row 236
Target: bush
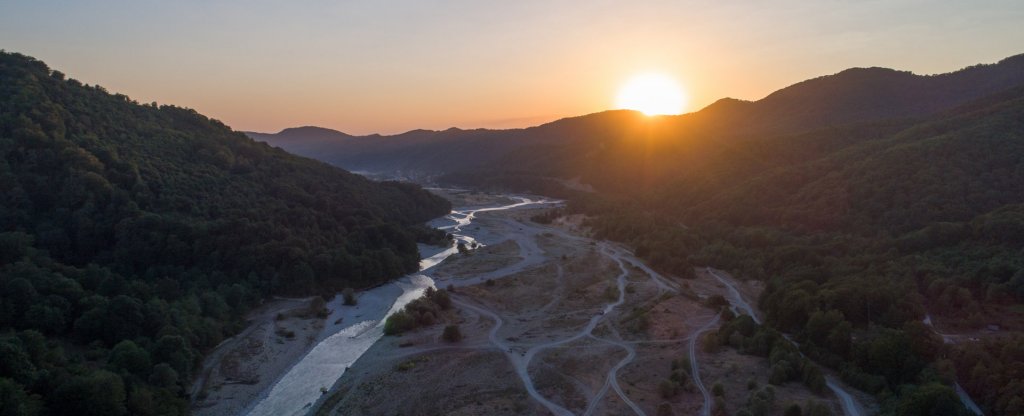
column 350, row 296
column 668, row 389
column 424, row 311
column 452, row 333
column 718, row 389
column 816, row 408
column 398, row 323
column 716, row 301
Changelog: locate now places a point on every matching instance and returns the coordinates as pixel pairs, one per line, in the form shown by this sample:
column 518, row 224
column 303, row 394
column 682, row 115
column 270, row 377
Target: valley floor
column 556, row 323
column 236, row 373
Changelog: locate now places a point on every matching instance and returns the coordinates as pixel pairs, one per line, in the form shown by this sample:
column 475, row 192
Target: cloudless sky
column 391, row 66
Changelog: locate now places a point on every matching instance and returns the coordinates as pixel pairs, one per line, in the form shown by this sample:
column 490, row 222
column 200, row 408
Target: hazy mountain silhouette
column 561, row 147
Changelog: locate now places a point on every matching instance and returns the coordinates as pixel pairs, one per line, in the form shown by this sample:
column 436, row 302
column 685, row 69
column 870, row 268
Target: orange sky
column 387, row 67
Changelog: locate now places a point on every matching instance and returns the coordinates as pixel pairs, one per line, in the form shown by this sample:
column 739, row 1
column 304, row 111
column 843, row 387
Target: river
column 325, row 363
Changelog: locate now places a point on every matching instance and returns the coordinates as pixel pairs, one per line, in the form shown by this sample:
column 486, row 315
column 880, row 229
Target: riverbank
column 289, row 359
column 237, row 371
column 557, row 323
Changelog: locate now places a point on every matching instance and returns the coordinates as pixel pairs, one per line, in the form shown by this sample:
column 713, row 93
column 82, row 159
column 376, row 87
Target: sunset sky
column 391, row 66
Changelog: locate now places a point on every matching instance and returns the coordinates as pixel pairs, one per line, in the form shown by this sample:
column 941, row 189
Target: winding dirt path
column 521, row 362
column 518, row 362
column 849, row 405
column 965, row 398
column 695, row 367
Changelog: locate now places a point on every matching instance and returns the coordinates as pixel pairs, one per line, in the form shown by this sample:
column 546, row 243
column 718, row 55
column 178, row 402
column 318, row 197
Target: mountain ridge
column 149, row 232
column 850, row 96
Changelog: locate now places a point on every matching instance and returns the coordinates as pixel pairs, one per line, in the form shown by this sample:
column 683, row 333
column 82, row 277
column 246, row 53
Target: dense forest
column 867, row 201
column 859, row 243
column 134, row 237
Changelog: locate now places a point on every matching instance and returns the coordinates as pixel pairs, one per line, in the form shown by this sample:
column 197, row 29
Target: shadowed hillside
column 134, row 237
column 865, row 200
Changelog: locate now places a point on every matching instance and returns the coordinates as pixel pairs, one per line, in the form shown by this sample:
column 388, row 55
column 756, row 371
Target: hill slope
column 593, row 146
column 133, row 237
column 864, row 200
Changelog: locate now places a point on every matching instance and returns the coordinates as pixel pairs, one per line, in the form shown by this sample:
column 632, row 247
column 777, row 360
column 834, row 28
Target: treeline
column 423, row 311
column 134, row 237
column 858, row 231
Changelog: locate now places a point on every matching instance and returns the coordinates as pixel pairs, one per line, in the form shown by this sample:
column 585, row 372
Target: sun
column 651, row 94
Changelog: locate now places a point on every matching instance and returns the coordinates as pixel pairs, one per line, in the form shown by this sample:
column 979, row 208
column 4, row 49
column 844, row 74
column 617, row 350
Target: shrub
column 668, row 389
column 398, row 323
column 350, row 296
column 452, row 333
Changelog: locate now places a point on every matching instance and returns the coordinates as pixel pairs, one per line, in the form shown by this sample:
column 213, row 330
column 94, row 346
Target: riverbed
column 363, row 325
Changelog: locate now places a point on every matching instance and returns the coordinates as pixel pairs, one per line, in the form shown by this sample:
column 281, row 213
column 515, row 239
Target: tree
column 99, row 393
column 350, row 296
column 932, row 399
column 813, row 378
column 816, row 408
column 779, row 373
column 398, row 323
column 15, row 363
column 452, row 333
column 318, row 307
column 718, row 389
column 668, row 389
column 46, row 318
column 175, row 352
column 15, row 402
column 129, row 357
column 111, row 245
column 164, row 376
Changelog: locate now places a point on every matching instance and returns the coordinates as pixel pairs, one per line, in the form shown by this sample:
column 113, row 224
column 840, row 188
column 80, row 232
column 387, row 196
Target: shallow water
column 362, row 325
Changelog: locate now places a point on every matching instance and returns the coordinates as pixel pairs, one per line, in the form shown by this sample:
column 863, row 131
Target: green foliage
column 135, row 237
column 816, row 408
column 423, row 311
column 861, row 199
column 398, row 323
column 15, row 401
column 350, row 296
column 99, row 393
column 759, row 402
column 931, row 399
column 452, row 333
column 854, row 230
column 129, row 358
column 993, row 367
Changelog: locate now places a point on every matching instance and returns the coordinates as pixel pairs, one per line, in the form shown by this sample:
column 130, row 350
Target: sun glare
column 651, row 94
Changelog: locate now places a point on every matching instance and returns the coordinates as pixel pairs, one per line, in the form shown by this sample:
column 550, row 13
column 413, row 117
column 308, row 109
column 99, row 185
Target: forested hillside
column 859, row 243
column 135, row 237
column 604, row 148
column 866, row 200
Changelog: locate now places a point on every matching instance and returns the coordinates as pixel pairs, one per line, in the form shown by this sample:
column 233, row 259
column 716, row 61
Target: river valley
column 553, row 322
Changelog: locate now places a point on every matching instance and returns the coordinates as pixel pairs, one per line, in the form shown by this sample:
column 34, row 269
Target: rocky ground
column 555, row 323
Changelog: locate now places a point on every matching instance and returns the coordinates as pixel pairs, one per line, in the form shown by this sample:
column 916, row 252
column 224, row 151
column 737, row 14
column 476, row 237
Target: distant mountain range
column 566, row 147
column 866, row 199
